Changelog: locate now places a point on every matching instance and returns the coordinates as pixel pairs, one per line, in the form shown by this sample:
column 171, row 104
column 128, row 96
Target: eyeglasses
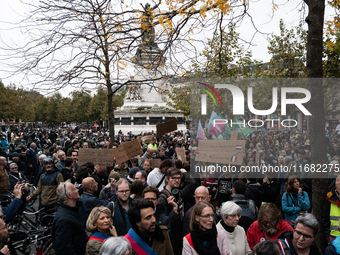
column 13, row 168
column 176, row 178
column 207, row 216
column 235, row 215
column 306, row 237
column 124, row 191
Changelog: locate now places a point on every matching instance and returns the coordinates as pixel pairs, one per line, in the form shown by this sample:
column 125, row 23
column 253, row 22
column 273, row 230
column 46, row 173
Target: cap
column 134, row 170
column 15, row 154
column 114, row 175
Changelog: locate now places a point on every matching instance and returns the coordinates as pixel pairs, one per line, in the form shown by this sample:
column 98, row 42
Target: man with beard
column 268, row 226
column 145, row 236
column 3, row 236
column 47, row 186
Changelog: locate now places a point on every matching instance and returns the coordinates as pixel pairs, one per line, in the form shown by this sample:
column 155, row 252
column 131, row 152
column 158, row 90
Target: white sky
column 261, row 11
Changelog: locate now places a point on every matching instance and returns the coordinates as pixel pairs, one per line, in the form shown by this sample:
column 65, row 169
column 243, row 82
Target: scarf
column 138, row 245
column 226, row 227
column 208, row 236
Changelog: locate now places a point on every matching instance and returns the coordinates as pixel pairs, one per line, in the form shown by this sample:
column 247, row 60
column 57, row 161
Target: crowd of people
column 136, row 208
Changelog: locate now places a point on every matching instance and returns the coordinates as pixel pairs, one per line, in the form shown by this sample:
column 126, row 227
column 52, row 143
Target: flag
column 95, row 125
column 215, row 127
column 227, row 133
column 200, row 131
column 242, row 129
column 233, row 159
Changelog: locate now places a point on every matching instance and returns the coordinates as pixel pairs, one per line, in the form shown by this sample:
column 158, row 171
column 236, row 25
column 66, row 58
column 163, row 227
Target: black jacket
column 68, row 232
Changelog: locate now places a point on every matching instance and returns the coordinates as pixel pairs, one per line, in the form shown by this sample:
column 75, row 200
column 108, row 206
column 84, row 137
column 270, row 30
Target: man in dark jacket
column 68, row 231
column 67, row 171
column 89, row 201
column 121, row 207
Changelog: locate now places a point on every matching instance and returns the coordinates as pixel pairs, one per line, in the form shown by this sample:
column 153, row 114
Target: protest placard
column 102, row 157
column 235, row 135
column 166, row 127
column 147, row 139
column 181, row 154
column 221, row 151
column 155, row 163
column 127, row 151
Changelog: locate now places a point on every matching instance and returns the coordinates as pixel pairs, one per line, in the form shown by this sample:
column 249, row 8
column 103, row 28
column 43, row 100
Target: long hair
column 271, row 212
column 290, row 183
column 197, row 211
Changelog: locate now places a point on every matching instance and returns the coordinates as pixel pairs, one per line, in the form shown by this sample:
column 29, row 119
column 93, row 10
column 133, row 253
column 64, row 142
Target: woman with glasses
column 236, row 236
column 204, row 238
column 295, row 201
column 15, row 176
column 268, row 226
column 100, row 225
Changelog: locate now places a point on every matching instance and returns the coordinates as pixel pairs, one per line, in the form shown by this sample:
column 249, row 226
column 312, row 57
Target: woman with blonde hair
column 204, row 238
column 99, row 223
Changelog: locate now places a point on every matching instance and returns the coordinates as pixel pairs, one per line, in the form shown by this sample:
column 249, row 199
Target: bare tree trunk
column 111, row 114
column 315, row 20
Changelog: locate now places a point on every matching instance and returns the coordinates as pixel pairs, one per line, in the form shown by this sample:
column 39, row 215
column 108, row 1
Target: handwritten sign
column 147, row 139
column 155, row 163
column 235, row 135
column 127, row 151
column 181, row 154
column 221, row 151
column 166, row 127
column 102, row 157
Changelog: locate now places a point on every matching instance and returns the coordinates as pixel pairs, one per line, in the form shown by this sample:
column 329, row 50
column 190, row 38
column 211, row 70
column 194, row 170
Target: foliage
column 180, row 100
column 32, row 107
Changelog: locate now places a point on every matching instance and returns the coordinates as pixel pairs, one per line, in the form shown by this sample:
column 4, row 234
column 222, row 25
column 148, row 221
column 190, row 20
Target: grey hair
column 13, row 164
column 42, row 156
column 33, row 145
column 230, row 208
column 62, row 195
column 115, row 246
column 309, row 221
column 61, row 151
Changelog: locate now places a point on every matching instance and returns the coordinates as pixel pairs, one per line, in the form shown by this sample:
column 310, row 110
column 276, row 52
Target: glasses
column 124, row 191
column 306, row 237
column 176, row 178
column 207, row 216
column 235, row 215
column 13, row 168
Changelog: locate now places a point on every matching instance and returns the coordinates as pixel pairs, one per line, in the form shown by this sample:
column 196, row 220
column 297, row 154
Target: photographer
column 170, row 207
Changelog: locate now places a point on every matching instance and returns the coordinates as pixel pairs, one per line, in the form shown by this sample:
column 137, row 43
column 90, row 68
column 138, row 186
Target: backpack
column 247, row 216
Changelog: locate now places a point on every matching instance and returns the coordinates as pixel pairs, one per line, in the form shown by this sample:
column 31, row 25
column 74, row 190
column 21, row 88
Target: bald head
column 3, row 162
column 89, row 185
column 150, row 151
column 202, row 194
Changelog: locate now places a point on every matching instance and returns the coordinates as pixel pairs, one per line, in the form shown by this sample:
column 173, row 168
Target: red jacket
column 256, row 235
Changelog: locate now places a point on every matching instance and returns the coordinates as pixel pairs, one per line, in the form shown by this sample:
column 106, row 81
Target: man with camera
column 170, row 208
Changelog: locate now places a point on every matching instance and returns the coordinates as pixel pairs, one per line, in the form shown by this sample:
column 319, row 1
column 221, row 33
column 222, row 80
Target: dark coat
column 121, row 223
column 16, row 177
column 68, row 232
column 88, row 203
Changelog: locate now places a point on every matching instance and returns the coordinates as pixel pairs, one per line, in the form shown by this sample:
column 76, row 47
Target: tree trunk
column 315, row 20
column 111, row 113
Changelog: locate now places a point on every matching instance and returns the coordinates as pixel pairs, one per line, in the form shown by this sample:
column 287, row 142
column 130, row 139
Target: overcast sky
column 291, row 12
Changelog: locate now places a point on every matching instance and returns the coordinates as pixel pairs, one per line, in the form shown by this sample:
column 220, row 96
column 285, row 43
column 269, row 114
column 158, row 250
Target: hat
column 114, row 175
column 47, row 160
column 15, row 154
column 134, row 170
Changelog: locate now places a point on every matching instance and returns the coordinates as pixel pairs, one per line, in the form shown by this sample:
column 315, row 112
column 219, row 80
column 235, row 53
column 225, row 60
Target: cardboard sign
column 181, row 154
column 102, row 157
column 166, row 127
column 221, row 151
column 155, row 163
column 127, row 151
column 147, row 139
column 235, row 135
